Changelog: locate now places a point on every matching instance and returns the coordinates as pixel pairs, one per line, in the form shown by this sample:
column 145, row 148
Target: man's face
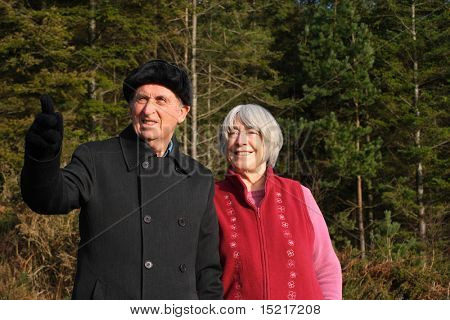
column 155, row 113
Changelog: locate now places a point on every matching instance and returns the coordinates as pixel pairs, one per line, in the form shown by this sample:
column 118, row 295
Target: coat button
column 145, row 164
column 182, row 267
column 181, row 222
column 148, row 264
column 147, row 219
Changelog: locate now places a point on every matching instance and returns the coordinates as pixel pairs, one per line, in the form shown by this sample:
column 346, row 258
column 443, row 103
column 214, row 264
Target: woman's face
column 245, row 149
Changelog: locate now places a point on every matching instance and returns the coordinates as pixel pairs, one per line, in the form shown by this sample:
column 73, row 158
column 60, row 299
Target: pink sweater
column 326, row 264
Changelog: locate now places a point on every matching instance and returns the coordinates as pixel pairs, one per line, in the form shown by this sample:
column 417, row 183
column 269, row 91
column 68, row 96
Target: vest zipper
column 263, row 254
column 262, row 241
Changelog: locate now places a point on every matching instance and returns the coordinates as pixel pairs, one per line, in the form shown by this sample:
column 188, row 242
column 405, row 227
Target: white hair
column 258, row 118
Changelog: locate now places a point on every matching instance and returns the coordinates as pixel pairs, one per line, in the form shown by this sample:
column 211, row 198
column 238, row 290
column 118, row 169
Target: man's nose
column 149, row 107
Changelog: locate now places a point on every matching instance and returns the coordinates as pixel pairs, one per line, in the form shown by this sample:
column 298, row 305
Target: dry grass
column 405, row 278
column 38, row 257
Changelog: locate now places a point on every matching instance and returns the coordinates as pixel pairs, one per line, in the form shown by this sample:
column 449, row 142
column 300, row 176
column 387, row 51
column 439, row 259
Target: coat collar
column 235, row 178
column 135, row 151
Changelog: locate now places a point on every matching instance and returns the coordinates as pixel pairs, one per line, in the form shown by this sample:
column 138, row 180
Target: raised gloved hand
column 44, row 138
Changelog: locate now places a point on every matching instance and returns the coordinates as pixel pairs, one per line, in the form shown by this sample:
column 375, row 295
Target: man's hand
column 44, row 138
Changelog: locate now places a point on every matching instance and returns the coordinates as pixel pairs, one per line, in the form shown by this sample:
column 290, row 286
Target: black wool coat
column 148, row 227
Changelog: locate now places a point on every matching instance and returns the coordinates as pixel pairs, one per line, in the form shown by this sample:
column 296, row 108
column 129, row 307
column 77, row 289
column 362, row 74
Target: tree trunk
column 194, row 81
column 92, row 85
column 359, row 192
column 116, row 119
column 209, row 150
column 362, row 241
column 371, row 221
column 186, row 55
column 370, row 194
column 419, row 172
column 92, row 27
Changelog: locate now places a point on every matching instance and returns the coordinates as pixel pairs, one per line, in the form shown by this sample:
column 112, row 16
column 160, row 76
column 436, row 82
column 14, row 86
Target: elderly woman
column 274, row 240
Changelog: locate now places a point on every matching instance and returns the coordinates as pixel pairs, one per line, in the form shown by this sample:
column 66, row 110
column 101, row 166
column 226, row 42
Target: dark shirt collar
column 169, row 149
column 135, row 150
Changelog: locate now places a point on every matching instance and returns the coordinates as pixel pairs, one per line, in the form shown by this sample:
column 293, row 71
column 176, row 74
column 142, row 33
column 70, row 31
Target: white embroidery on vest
column 234, row 245
column 290, row 253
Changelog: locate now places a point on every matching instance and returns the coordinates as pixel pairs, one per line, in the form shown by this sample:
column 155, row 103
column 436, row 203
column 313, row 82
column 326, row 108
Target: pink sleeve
column 326, row 263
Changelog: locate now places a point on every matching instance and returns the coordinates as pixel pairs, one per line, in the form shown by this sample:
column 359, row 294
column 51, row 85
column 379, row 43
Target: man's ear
column 183, row 113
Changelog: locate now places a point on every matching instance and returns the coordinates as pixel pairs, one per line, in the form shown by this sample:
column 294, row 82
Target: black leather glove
column 44, row 138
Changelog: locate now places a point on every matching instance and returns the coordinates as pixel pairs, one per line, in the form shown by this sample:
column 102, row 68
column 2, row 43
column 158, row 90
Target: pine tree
column 36, row 55
column 409, row 71
column 337, row 55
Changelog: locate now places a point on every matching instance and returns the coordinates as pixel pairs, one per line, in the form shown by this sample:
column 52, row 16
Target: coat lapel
column 135, row 152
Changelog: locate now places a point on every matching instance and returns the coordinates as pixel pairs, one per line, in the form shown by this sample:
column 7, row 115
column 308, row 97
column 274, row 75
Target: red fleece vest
column 266, row 252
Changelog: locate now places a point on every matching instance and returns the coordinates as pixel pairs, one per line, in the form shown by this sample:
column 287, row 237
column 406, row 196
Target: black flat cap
column 159, row 72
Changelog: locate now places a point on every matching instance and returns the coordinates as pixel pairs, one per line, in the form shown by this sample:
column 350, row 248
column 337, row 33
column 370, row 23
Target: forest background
column 360, row 89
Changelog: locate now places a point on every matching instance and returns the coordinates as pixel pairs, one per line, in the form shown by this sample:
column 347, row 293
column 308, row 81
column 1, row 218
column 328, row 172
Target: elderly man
column 148, row 228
